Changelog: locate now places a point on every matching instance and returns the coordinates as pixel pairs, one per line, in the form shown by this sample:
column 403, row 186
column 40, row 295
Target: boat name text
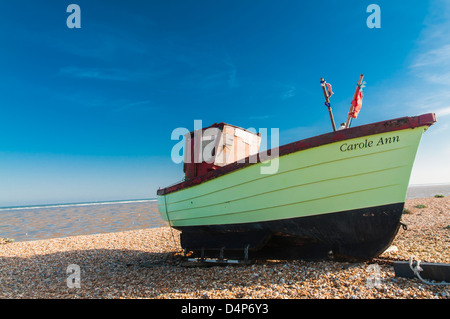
column 369, row 143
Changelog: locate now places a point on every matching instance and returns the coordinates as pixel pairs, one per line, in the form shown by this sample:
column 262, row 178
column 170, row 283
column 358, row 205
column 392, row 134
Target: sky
column 86, row 114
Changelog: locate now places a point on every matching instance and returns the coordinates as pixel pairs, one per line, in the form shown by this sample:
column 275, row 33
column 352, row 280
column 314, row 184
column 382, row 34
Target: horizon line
column 92, row 203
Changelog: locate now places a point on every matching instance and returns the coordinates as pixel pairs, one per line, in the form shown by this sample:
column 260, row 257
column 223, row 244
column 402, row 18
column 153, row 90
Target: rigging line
column 170, row 226
column 417, row 269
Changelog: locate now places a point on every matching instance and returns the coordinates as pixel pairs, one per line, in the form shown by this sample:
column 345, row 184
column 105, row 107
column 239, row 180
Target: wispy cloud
column 218, row 74
column 298, row 133
column 431, row 64
column 232, row 81
column 113, row 74
column 96, row 73
column 258, row 117
column 291, row 92
column 89, row 100
column 443, row 111
column 433, row 57
column 434, row 65
column 109, row 44
column 134, row 106
column 429, row 90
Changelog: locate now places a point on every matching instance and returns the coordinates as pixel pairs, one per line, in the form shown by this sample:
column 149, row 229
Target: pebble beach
column 147, row 263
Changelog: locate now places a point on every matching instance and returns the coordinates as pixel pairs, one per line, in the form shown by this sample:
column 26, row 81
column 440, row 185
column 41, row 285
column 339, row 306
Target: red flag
column 356, row 103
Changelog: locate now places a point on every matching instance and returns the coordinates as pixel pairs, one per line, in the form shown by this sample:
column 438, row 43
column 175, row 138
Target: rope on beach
column 417, row 269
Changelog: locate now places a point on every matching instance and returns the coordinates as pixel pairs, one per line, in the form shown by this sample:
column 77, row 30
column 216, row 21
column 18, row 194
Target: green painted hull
column 351, row 174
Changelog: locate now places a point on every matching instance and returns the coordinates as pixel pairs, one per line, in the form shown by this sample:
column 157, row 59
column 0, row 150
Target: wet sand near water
column 38, row 223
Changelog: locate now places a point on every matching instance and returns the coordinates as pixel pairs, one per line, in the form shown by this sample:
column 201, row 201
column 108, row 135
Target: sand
column 147, row 263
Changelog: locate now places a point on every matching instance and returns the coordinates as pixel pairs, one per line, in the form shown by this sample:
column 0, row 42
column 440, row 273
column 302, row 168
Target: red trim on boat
column 341, row 135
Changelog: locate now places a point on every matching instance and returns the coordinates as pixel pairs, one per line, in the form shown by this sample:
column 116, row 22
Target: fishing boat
column 340, row 193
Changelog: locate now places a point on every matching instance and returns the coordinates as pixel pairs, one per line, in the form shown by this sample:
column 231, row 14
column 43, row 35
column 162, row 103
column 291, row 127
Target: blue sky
column 87, row 114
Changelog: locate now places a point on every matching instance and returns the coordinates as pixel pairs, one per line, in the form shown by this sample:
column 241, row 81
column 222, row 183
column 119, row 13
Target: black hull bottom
column 356, row 234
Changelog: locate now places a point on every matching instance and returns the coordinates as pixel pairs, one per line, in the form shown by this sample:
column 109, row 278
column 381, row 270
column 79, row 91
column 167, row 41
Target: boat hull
column 356, row 234
column 345, row 194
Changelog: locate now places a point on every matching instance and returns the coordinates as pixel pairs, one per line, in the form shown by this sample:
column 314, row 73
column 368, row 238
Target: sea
column 38, row 222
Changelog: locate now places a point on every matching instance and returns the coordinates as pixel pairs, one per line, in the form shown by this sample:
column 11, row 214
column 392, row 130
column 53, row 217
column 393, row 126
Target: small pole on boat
column 347, row 124
column 327, row 101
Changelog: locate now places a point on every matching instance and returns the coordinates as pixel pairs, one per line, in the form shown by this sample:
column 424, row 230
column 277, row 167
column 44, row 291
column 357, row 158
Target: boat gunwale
column 401, row 123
